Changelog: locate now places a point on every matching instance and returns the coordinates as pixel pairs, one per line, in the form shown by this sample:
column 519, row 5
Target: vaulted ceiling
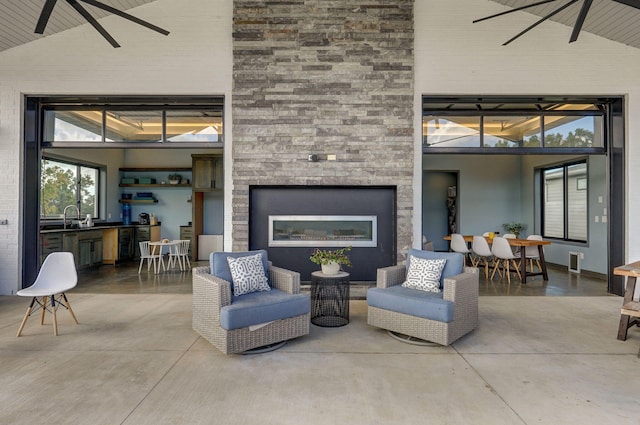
column 606, row 18
column 18, row 18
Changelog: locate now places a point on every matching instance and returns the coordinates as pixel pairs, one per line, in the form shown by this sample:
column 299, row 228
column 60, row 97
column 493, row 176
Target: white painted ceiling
column 606, row 18
column 18, row 18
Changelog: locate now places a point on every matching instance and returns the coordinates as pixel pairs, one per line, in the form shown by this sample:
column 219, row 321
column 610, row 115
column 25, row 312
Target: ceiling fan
column 582, row 15
column 50, row 4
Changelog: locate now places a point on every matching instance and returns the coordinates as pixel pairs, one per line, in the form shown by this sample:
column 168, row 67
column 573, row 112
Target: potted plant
column 175, row 178
column 515, row 228
column 331, row 259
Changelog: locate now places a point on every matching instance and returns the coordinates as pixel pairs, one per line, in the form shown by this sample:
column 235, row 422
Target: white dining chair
column 482, row 253
column 458, row 244
column 504, row 256
column 153, row 258
column 532, row 254
column 57, row 275
column 516, row 250
column 180, row 254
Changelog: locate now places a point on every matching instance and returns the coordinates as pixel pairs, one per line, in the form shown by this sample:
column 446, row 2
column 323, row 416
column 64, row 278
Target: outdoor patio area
column 134, row 359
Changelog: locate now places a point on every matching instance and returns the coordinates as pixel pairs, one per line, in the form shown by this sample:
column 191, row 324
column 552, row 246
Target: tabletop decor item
column 174, row 178
column 515, row 228
column 331, row 259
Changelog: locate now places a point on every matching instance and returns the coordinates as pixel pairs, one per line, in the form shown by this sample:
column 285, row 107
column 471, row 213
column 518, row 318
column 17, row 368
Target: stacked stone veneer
column 326, row 78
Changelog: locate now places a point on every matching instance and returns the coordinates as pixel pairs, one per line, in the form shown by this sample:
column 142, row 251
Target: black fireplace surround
column 309, row 212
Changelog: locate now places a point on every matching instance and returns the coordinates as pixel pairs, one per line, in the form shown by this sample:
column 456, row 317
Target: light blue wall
column 495, row 189
column 595, row 251
column 488, row 193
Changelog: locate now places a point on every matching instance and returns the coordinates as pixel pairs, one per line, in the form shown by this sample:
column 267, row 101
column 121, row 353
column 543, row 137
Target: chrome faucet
column 64, row 214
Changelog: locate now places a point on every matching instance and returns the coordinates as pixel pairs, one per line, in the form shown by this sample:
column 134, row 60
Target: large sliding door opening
column 554, row 164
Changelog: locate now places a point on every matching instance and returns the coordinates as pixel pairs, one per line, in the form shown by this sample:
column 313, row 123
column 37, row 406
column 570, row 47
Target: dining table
column 159, row 245
column 522, row 244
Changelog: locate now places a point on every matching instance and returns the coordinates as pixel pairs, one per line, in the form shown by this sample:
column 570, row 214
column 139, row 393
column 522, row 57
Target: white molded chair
column 483, row 254
column 531, row 252
column 180, row 254
column 501, row 250
column 57, row 275
column 152, row 258
column 458, row 244
column 516, row 250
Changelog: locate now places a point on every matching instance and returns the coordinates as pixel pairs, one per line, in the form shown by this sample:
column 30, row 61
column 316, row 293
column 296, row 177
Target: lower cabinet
column 89, row 249
column 186, row 233
column 126, row 239
column 146, row 233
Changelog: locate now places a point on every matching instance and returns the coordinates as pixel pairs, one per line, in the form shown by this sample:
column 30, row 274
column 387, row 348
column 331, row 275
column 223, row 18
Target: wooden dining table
column 522, row 243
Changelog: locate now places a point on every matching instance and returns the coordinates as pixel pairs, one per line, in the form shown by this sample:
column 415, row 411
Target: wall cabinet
column 208, row 176
column 207, row 172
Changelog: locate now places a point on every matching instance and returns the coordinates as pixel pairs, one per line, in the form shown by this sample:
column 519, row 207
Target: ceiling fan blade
column 580, row 20
column 125, row 15
column 44, row 16
column 632, row 3
column 535, row 24
column 81, row 10
column 514, row 10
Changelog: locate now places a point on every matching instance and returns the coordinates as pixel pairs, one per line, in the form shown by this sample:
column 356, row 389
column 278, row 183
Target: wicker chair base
column 429, row 330
column 210, row 292
column 408, row 339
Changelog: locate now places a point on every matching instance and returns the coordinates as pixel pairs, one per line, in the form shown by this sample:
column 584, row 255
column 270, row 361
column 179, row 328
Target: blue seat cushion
column 261, row 307
column 453, row 266
column 219, row 266
column 413, row 302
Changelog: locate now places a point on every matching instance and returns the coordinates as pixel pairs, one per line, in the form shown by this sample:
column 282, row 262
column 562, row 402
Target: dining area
column 503, row 255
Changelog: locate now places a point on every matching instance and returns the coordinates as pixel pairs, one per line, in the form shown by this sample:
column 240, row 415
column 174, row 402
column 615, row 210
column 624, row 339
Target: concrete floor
column 134, row 359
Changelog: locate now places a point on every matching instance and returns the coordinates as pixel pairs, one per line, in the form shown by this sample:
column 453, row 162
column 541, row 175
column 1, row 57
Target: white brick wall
column 194, row 59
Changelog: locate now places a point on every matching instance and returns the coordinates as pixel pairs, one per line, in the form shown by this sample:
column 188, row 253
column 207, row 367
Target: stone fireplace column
column 330, row 79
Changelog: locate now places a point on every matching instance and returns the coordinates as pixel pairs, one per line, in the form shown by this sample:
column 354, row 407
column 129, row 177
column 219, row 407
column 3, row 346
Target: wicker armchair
column 459, row 293
column 211, row 294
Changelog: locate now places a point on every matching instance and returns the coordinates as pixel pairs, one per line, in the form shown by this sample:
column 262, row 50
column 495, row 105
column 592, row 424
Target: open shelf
column 138, row 201
column 160, row 185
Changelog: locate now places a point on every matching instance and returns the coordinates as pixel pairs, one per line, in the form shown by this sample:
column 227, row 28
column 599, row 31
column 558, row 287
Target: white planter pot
column 331, row 268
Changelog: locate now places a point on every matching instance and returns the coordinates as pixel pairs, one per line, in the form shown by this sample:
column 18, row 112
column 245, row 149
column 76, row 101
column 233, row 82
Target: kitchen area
column 142, row 195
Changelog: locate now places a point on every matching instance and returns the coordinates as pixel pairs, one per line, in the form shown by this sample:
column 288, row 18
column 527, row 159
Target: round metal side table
column 329, row 299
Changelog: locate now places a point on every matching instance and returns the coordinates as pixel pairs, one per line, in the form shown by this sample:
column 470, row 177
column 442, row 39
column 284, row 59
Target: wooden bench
column 630, row 308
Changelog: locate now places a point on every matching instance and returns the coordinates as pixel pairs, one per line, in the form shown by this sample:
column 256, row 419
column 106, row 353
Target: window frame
column 565, row 201
column 443, row 106
column 78, row 189
column 105, row 104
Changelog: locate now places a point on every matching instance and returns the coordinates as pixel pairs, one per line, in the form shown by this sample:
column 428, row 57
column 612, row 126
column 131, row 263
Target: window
column 66, row 183
column 154, row 122
column 565, row 201
column 502, row 125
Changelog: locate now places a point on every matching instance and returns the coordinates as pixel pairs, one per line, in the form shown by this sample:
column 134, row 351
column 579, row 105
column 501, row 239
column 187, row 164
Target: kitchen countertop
column 57, row 228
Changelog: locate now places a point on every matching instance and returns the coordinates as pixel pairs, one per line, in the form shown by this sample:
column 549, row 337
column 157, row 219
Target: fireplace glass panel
column 323, row 230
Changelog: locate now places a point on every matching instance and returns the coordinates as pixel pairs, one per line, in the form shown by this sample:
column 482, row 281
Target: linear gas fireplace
column 291, row 221
column 323, row 230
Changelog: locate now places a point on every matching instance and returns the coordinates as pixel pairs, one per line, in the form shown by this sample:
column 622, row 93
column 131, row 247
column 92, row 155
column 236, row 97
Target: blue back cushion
column 219, row 266
column 454, row 265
